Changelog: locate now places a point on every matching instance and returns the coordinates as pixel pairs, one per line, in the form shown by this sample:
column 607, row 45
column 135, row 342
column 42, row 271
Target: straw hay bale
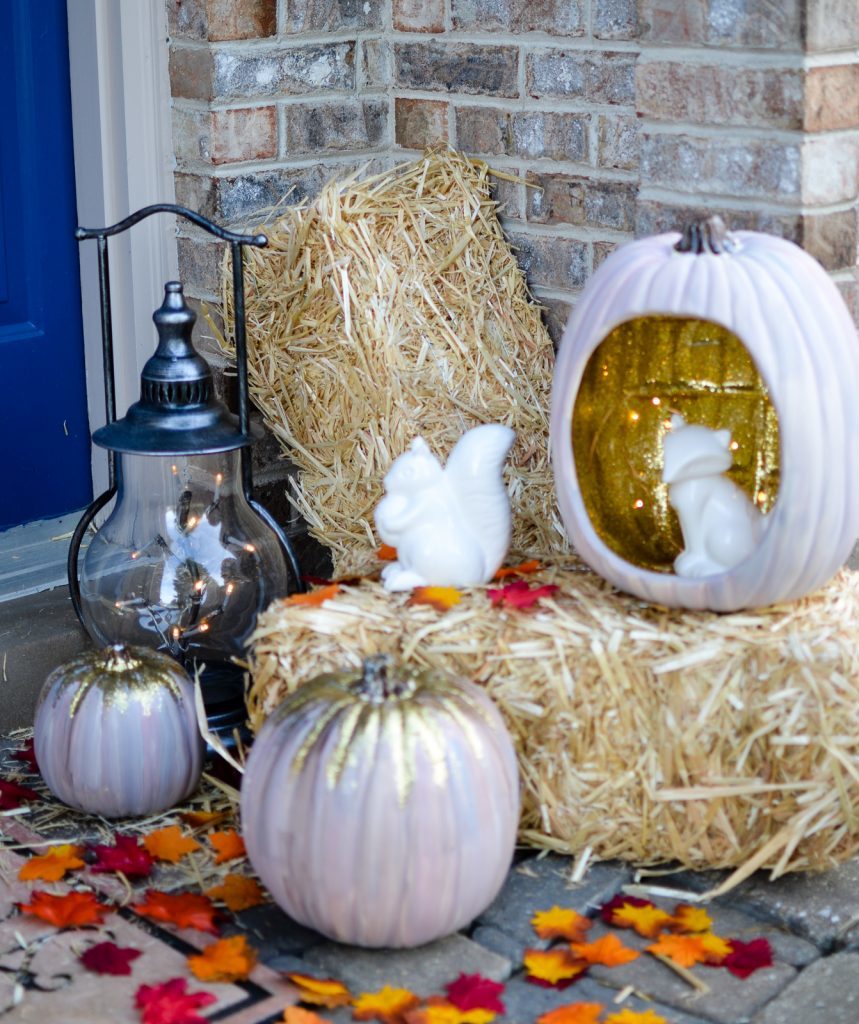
column 389, row 308
column 642, row 733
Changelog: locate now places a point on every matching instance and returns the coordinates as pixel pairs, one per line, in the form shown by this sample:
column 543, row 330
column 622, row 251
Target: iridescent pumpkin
column 380, row 807
column 116, row 732
column 741, row 332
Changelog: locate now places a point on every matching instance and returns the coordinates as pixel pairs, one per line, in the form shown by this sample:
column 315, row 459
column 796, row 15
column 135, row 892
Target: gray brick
column 619, row 141
column 751, row 23
column 551, row 261
column 320, row 127
column 374, row 62
column 557, row 17
column 457, row 67
column 331, row 15
column 602, row 250
column 566, row 199
column 831, row 24
column 654, row 218
column 425, row 970
column 550, row 135
column 556, row 313
column 604, row 77
column 615, row 19
column 284, row 71
column 826, row 992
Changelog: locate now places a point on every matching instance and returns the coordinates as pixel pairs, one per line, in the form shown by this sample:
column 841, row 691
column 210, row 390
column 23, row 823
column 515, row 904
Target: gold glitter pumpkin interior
column 643, row 371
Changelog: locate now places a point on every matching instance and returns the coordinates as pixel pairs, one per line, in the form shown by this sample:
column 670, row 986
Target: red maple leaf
column 474, row 992
column 127, row 856
column 12, row 795
column 747, row 957
column 616, row 902
column 184, row 909
column 27, row 754
column 519, row 594
column 108, row 958
column 171, row 1003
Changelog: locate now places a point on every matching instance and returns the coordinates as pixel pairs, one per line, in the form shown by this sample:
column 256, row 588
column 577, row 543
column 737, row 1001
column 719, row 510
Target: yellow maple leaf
column 228, row 844
column 169, row 844
column 552, row 965
column 53, row 865
column 238, row 892
column 689, row 919
column 385, row 1006
column 295, row 1015
column 560, row 923
column 440, row 598
column 635, row 1017
column 572, row 1013
column 648, row 921
column 715, row 947
column 608, row 951
column 440, row 1011
column 684, row 950
column 320, row 991
column 229, row 959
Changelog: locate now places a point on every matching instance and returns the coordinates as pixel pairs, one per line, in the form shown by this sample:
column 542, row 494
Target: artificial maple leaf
column 314, row 598
column 197, row 819
column 73, row 910
column 561, row 923
column 608, row 951
column 519, row 594
column 747, row 957
column 647, row 921
column 53, row 865
column 386, row 553
column 607, row 910
column 295, row 1015
column 688, row 919
column 440, row 598
column 183, row 909
column 126, row 855
column 440, row 1011
column 387, row 1005
column 171, row 1003
column 474, row 992
column 12, row 795
column 572, row 1013
column 715, row 947
column 684, row 950
column 635, row 1017
column 523, row 569
column 27, row 754
column 238, row 892
column 320, row 991
column 229, row 845
column 553, row 967
column 169, row 844
column 229, row 959
column 108, row 958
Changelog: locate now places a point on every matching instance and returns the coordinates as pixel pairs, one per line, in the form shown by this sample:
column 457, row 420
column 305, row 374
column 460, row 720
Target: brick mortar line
column 568, row 168
column 276, row 43
column 739, row 57
column 519, row 104
column 570, row 232
column 186, row 105
column 743, row 132
column 744, row 203
column 289, row 163
column 527, row 42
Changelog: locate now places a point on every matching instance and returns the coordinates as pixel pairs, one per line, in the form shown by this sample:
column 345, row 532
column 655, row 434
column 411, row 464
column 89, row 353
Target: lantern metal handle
column 236, row 242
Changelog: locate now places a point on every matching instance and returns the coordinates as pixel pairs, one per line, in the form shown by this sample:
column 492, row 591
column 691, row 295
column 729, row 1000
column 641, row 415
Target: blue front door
column 43, row 413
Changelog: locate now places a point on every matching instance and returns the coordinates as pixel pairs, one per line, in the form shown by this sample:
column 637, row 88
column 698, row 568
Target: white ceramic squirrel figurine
column 451, row 526
column 720, row 525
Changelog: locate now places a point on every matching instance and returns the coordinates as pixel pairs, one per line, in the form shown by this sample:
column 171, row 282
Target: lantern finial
column 706, row 235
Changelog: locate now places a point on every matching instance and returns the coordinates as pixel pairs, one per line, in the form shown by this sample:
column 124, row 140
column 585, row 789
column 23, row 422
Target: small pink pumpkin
column 380, row 807
column 116, row 732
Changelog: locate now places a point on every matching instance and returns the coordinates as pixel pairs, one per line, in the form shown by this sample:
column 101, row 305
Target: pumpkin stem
column 376, row 684
column 708, row 235
column 118, row 658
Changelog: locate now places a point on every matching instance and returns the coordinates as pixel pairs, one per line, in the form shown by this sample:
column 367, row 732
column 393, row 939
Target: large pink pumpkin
column 116, row 732
column 381, row 807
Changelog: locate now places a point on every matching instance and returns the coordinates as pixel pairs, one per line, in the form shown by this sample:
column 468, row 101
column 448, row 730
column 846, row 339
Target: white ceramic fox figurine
column 721, row 527
column 451, row 526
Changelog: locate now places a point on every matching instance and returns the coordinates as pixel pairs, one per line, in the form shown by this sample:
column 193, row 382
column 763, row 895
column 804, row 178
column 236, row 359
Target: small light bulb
column 231, row 587
column 204, row 627
column 198, row 586
column 656, row 401
column 634, row 417
column 176, row 632
column 249, row 547
column 638, row 504
column 762, row 497
column 734, row 445
column 192, row 522
column 219, row 479
column 174, row 469
column 135, row 554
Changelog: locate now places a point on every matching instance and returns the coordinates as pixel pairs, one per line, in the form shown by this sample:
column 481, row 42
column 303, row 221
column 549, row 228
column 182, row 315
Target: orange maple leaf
column 688, row 919
column 238, row 892
column 523, row 569
column 183, row 909
column 608, row 951
column 314, row 598
column 648, row 921
column 74, row 910
column 169, row 844
column 572, row 1013
column 684, row 950
column 229, row 959
column 635, row 1017
column 320, row 991
column 385, row 1006
column 197, row 819
column 385, row 553
column 441, row 598
column 553, row 965
column 229, row 845
column 560, row 923
column 53, row 865
column 439, row 1011
column 295, row 1015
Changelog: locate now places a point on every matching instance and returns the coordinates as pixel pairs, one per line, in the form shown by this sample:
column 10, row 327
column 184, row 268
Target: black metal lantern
column 187, row 558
